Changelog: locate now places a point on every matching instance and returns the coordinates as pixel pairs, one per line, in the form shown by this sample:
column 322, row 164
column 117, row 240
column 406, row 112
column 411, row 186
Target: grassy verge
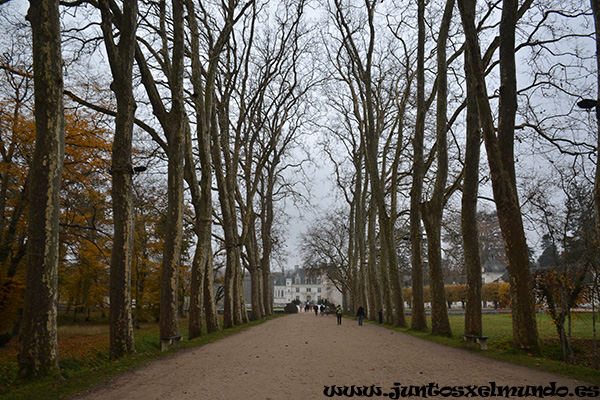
column 85, row 360
column 499, row 330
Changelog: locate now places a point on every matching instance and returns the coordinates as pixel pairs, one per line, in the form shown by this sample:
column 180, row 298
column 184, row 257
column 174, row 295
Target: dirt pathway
column 296, row 356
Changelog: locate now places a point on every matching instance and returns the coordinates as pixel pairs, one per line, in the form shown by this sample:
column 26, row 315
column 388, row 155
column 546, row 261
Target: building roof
column 298, row 273
column 493, row 266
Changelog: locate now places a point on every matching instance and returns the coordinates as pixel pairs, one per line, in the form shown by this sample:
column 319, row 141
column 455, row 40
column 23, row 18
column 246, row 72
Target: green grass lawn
column 498, row 328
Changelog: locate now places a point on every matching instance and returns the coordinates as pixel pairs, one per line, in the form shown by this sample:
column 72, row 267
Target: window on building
column 319, row 297
column 298, row 298
column 308, row 289
column 319, row 290
column 297, row 290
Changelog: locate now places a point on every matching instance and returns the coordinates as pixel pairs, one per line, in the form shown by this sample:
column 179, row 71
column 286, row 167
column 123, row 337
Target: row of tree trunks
column 220, row 144
column 202, row 293
column 39, row 350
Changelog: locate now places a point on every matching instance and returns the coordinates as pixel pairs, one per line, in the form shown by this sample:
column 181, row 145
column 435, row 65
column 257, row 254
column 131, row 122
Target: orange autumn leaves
column 86, row 213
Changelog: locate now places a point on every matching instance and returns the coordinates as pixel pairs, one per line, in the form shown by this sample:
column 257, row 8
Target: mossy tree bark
column 121, row 57
column 38, row 354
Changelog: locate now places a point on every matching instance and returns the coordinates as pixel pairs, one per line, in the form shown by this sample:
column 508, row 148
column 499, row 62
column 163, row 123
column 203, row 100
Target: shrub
column 290, row 308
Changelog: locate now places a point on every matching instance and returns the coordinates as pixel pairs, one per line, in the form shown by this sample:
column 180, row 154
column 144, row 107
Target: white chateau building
column 296, row 285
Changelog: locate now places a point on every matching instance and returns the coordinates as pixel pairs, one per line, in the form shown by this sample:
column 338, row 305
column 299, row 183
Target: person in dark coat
column 338, row 314
column 360, row 313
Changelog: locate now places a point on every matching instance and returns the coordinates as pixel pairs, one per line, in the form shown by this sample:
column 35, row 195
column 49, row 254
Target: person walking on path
column 316, row 311
column 338, row 314
column 360, row 314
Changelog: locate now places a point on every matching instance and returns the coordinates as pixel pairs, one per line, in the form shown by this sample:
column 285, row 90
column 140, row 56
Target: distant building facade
column 296, row 285
column 493, row 270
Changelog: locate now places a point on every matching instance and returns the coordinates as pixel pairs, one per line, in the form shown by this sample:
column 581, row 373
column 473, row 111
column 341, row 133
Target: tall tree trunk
column 241, row 316
column 121, row 57
column 357, row 238
column 204, row 221
column 433, row 209
column 139, row 267
column 202, row 228
column 375, row 286
column 38, row 354
column 386, row 285
column 366, row 296
column 596, row 9
column 253, row 267
column 210, row 306
column 500, row 158
column 174, row 128
column 230, row 241
column 353, row 260
column 418, row 321
column 173, row 123
column 169, row 325
column 267, row 217
column 470, row 232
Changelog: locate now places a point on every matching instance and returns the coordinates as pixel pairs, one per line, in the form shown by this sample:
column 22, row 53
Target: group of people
column 318, row 308
column 360, row 313
column 324, row 309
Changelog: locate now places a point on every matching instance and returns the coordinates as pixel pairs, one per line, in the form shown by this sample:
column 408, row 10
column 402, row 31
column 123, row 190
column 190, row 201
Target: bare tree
column 432, row 210
column 561, row 276
column 324, row 249
column 272, row 122
column 202, row 296
column 500, row 153
column 121, row 57
column 418, row 321
column 173, row 123
column 361, row 66
column 470, row 233
column 596, row 10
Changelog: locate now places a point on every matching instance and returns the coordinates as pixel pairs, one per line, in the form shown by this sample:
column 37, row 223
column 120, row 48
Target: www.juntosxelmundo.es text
column 398, row 391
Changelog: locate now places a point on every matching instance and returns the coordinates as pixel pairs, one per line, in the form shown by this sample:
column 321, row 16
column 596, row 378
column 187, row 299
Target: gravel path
column 297, row 356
